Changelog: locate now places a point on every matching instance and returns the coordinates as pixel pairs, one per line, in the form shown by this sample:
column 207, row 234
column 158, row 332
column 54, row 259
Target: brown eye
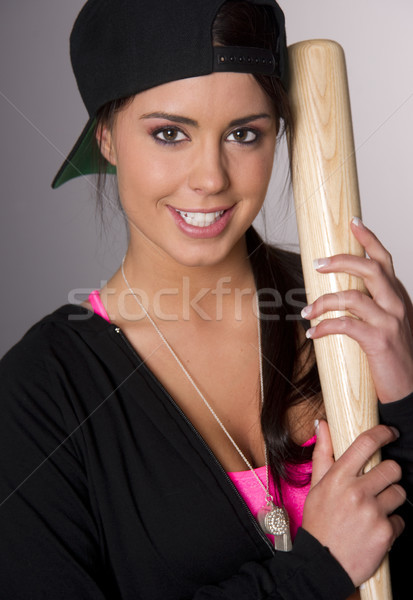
column 169, row 135
column 243, row 135
column 240, row 135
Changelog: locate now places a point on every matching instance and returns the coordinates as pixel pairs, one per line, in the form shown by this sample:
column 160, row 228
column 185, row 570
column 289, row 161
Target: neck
column 175, row 292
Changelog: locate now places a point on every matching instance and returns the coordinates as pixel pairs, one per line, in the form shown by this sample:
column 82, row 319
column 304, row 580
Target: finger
column 391, row 498
column 353, row 460
column 398, row 525
column 363, row 333
column 381, row 285
column 407, row 303
column 381, row 476
column 374, row 340
column 323, row 457
column 359, row 304
column 372, row 245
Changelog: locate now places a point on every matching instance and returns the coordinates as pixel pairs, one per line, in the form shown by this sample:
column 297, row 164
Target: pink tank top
column 293, row 497
column 244, row 481
column 97, row 305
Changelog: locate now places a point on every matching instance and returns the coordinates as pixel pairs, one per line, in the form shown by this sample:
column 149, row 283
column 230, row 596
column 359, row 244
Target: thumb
column 323, row 457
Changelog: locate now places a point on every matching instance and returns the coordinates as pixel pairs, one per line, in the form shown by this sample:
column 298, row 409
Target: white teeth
column 200, row 219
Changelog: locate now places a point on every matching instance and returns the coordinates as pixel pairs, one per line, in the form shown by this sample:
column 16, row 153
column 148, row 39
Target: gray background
column 51, row 244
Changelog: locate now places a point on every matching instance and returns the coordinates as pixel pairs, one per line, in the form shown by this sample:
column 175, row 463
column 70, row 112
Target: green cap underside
column 83, row 160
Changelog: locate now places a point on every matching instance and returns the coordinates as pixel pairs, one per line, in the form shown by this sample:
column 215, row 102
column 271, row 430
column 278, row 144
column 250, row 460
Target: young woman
column 156, row 442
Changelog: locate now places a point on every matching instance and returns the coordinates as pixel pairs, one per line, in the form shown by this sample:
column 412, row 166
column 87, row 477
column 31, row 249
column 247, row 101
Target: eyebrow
column 248, row 119
column 186, row 121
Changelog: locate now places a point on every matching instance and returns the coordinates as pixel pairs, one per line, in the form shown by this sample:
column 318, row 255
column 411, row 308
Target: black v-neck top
column 108, row 492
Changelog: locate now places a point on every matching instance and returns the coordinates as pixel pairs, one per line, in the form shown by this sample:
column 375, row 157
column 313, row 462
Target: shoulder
column 70, row 351
column 66, row 323
column 86, row 304
column 60, row 372
column 55, row 351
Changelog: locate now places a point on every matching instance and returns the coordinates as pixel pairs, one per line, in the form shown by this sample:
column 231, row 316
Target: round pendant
column 273, row 519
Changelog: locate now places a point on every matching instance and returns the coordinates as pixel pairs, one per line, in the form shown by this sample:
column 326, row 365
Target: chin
column 209, row 256
column 199, row 261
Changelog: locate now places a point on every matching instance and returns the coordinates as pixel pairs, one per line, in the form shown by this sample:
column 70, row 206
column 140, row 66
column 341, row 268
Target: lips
column 200, row 219
column 202, row 224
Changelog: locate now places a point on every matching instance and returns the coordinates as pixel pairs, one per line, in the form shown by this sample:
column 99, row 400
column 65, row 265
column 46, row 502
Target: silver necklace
column 273, row 519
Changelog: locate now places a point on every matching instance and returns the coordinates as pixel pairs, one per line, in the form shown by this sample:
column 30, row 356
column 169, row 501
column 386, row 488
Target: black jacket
column 108, row 492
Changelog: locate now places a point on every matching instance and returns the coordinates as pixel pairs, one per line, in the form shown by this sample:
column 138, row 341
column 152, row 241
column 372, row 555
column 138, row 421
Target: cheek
column 255, row 177
column 146, row 174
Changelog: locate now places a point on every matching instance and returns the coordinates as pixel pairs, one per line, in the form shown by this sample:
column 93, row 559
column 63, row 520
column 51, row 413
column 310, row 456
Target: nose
column 208, row 172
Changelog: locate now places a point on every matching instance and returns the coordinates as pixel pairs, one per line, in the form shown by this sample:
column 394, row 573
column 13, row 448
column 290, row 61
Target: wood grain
column 326, row 196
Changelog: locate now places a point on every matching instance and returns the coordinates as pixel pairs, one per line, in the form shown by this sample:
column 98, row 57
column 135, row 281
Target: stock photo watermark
column 270, row 302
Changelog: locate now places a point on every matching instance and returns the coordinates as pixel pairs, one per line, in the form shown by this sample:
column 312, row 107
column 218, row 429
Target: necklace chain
column 266, row 488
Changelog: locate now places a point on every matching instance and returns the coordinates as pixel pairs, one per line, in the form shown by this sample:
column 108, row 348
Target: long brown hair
column 289, row 368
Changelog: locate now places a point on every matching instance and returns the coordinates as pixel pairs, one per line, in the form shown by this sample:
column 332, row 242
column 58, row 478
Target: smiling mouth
column 197, row 219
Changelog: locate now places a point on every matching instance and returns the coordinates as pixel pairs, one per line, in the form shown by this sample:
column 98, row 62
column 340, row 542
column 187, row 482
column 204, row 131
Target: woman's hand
column 381, row 324
column 349, row 511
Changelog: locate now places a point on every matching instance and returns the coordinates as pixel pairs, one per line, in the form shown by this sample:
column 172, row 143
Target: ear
column 105, row 144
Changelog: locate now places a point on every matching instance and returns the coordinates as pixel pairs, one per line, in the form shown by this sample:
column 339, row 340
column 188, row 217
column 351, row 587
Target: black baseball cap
column 119, row 48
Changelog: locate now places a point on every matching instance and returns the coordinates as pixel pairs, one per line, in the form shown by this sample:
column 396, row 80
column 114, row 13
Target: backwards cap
column 122, row 47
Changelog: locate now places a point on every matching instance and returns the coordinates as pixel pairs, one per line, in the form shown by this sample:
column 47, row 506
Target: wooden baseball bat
column 326, row 197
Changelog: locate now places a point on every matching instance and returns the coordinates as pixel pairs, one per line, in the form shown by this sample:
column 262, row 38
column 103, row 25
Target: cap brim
column 83, row 158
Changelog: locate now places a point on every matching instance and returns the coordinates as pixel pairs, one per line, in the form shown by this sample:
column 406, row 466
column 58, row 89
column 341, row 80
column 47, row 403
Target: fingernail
column 309, row 333
column 395, row 431
column 357, row 222
column 306, row 311
column 318, row 263
column 317, row 427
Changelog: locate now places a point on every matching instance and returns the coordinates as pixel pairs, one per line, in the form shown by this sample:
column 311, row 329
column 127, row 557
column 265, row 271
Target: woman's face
column 194, row 159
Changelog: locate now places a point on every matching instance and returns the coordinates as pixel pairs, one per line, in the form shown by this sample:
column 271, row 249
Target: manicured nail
column 317, row 427
column 318, row 263
column 306, row 311
column 309, row 332
column 357, row 222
